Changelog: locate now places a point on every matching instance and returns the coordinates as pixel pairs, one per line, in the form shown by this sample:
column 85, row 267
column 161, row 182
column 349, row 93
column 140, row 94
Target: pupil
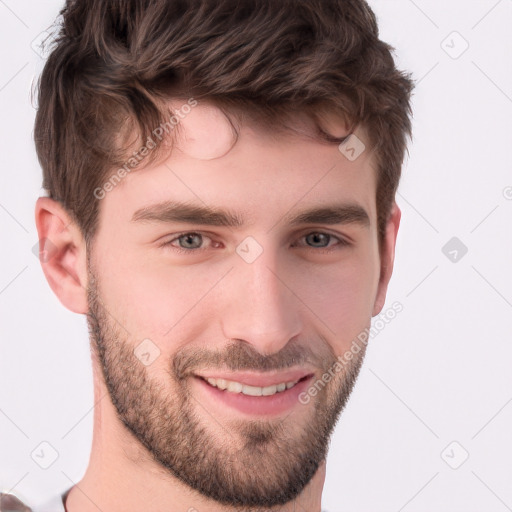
column 189, row 240
column 318, row 237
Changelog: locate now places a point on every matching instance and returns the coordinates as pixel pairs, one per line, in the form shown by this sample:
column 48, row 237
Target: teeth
column 252, row 390
column 235, row 387
column 238, row 387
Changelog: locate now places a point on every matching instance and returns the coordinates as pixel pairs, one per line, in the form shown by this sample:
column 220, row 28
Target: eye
column 186, row 242
column 319, row 240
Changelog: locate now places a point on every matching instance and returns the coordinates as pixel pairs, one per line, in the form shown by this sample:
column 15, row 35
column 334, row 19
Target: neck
column 122, row 476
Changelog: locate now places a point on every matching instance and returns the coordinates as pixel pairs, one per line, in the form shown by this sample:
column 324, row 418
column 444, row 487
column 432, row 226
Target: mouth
column 253, row 394
column 233, row 386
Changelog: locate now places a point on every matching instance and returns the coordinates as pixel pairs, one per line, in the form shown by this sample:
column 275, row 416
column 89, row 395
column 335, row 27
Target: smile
column 238, row 387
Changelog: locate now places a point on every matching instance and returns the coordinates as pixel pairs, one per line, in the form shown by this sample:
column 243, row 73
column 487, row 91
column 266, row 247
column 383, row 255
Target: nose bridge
column 262, row 310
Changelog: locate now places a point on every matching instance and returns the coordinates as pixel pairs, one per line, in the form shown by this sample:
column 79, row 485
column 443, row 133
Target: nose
column 261, row 307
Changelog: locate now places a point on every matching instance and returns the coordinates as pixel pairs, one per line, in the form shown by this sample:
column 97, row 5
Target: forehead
column 258, row 171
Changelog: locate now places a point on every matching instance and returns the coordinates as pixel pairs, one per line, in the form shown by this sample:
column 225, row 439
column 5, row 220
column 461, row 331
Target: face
column 262, row 291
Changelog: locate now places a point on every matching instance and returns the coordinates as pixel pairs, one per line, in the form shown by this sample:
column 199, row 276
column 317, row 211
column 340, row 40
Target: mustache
column 240, row 355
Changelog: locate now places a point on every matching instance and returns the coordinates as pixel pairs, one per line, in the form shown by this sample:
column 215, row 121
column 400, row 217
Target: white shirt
column 55, row 504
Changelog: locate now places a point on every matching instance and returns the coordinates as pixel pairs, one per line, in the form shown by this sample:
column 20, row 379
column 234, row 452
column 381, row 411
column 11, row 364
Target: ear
column 62, row 253
column 387, row 258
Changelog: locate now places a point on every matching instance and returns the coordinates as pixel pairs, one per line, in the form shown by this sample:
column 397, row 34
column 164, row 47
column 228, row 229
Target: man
column 221, row 179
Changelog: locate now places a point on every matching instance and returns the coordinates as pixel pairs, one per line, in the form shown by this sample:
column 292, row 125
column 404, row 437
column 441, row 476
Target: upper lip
column 257, row 379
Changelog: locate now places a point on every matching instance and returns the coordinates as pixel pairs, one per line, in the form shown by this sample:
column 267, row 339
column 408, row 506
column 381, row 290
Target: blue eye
column 192, row 242
column 320, row 242
column 186, row 243
column 318, row 238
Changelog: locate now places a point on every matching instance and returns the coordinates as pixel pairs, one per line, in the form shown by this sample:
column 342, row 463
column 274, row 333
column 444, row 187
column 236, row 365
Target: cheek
column 341, row 298
column 155, row 300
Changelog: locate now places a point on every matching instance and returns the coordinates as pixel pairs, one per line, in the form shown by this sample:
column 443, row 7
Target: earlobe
column 62, row 253
column 387, row 258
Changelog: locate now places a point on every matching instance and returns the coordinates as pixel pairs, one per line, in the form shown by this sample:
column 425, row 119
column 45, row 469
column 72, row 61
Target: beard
column 248, row 465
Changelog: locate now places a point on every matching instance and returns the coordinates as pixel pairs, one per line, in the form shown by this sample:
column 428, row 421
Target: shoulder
column 10, row 503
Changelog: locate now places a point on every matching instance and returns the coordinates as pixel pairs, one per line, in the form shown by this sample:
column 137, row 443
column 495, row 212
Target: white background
column 439, row 372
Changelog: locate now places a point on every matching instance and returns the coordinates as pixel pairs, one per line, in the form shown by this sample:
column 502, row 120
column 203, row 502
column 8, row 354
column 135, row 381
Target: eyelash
column 180, row 250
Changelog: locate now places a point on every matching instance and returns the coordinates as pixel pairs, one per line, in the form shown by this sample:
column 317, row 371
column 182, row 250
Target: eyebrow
column 175, row 211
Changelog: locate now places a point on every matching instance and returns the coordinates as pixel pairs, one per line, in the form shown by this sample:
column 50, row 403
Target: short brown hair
column 115, row 62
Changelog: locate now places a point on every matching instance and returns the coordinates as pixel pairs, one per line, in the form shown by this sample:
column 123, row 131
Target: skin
column 158, row 441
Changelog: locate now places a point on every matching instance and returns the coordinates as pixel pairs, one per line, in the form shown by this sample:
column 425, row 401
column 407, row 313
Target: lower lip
column 278, row 403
